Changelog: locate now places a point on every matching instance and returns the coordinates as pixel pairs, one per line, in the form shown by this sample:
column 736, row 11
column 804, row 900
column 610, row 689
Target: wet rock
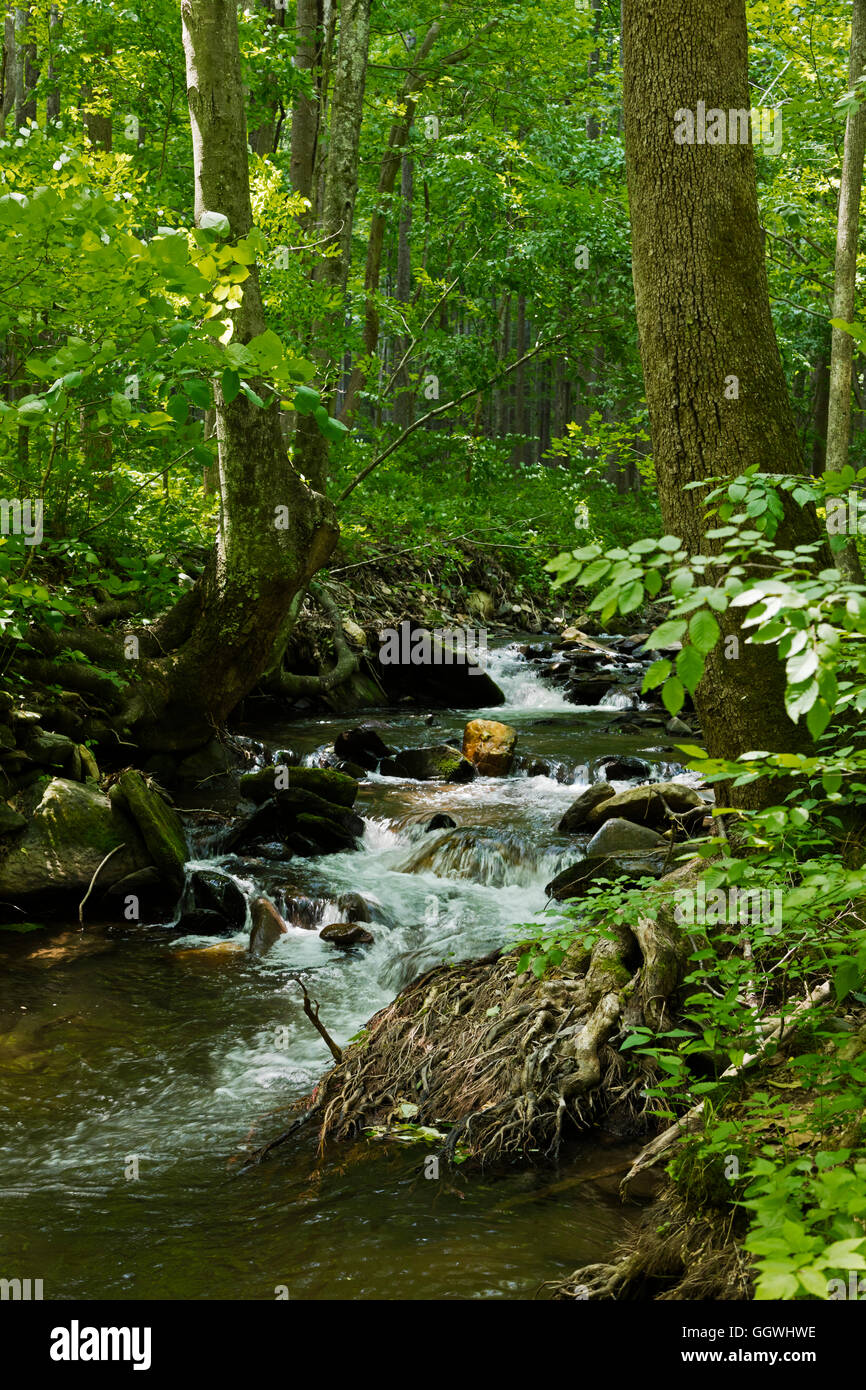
column 617, row 835
column 7, row 738
column 277, row 780
column 296, row 812
column 287, row 757
column 295, row 801
column 440, row 760
column 648, row 805
column 155, row 897
column 362, row 745
column 158, row 822
column 354, row 907
column 345, row 934
column 201, row 921
column 267, row 927
column 441, row 680
column 490, row 746
column 676, row 726
column 217, row 892
column 305, row 912
column 326, row 834
column 71, row 828
column 533, row 767
column 574, row 881
column 620, row 769
column 441, row 821
column 588, row 690
column 577, row 815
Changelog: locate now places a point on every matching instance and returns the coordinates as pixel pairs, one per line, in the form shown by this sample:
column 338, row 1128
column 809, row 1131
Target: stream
column 133, row 1068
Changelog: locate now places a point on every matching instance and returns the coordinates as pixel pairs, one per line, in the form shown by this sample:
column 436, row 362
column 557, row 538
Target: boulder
column 617, row 835
column 203, row 921
column 324, row 782
column 214, row 891
column 577, row 815
column 678, row 727
column 267, row 927
column 441, row 680
column 354, row 907
column 158, row 822
column 647, row 805
column 574, row 881
column 51, row 750
column 440, row 760
column 441, row 821
column 345, row 934
column 587, row 690
column 155, row 898
column 490, row 746
column 72, row 829
column 362, row 745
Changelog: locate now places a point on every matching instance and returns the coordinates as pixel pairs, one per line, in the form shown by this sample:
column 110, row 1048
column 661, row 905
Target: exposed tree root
column 511, row 1065
column 287, row 683
column 676, row 1252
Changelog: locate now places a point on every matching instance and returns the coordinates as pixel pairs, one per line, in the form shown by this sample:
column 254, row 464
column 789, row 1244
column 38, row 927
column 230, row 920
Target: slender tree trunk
column 52, row 101
column 273, row 532
column 391, row 162
column 842, row 344
column 703, row 317
column 305, row 112
column 338, row 202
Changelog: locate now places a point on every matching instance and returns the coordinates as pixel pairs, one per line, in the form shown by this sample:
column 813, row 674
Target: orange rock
column 490, row 746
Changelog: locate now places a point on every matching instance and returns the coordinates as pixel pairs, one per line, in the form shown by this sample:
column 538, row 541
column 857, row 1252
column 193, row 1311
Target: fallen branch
column 336, row 1052
column 99, row 869
column 778, row 1031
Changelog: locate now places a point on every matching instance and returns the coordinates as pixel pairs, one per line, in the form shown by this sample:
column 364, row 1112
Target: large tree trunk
column 703, row 317
column 274, row 533
column 842, row 344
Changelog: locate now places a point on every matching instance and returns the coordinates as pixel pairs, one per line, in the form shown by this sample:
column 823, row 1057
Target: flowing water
column 133, row 1067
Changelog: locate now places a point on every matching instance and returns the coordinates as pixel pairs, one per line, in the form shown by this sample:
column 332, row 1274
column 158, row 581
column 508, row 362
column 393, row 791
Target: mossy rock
column 159, row 824
column 72, row 827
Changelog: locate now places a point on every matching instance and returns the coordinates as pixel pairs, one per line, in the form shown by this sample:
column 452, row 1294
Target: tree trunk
column 391, row 162
column 703, row 315
column 305, row 114
column 844, row 284
column 274, row 533
column 338, row 201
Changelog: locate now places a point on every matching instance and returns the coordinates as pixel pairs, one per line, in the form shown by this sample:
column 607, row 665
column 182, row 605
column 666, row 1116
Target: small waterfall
column 497, row 859
column 521, row 683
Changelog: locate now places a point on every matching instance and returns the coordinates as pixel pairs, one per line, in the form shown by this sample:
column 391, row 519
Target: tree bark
column 338, row 200
column 703, row 315
column 305, row 113
column 844, row 284
column 274, row 533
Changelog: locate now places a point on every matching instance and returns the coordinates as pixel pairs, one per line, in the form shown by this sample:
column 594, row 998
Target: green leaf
column 230, row 385
column 704, row 631
column 673, row 696
column 690, row 668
